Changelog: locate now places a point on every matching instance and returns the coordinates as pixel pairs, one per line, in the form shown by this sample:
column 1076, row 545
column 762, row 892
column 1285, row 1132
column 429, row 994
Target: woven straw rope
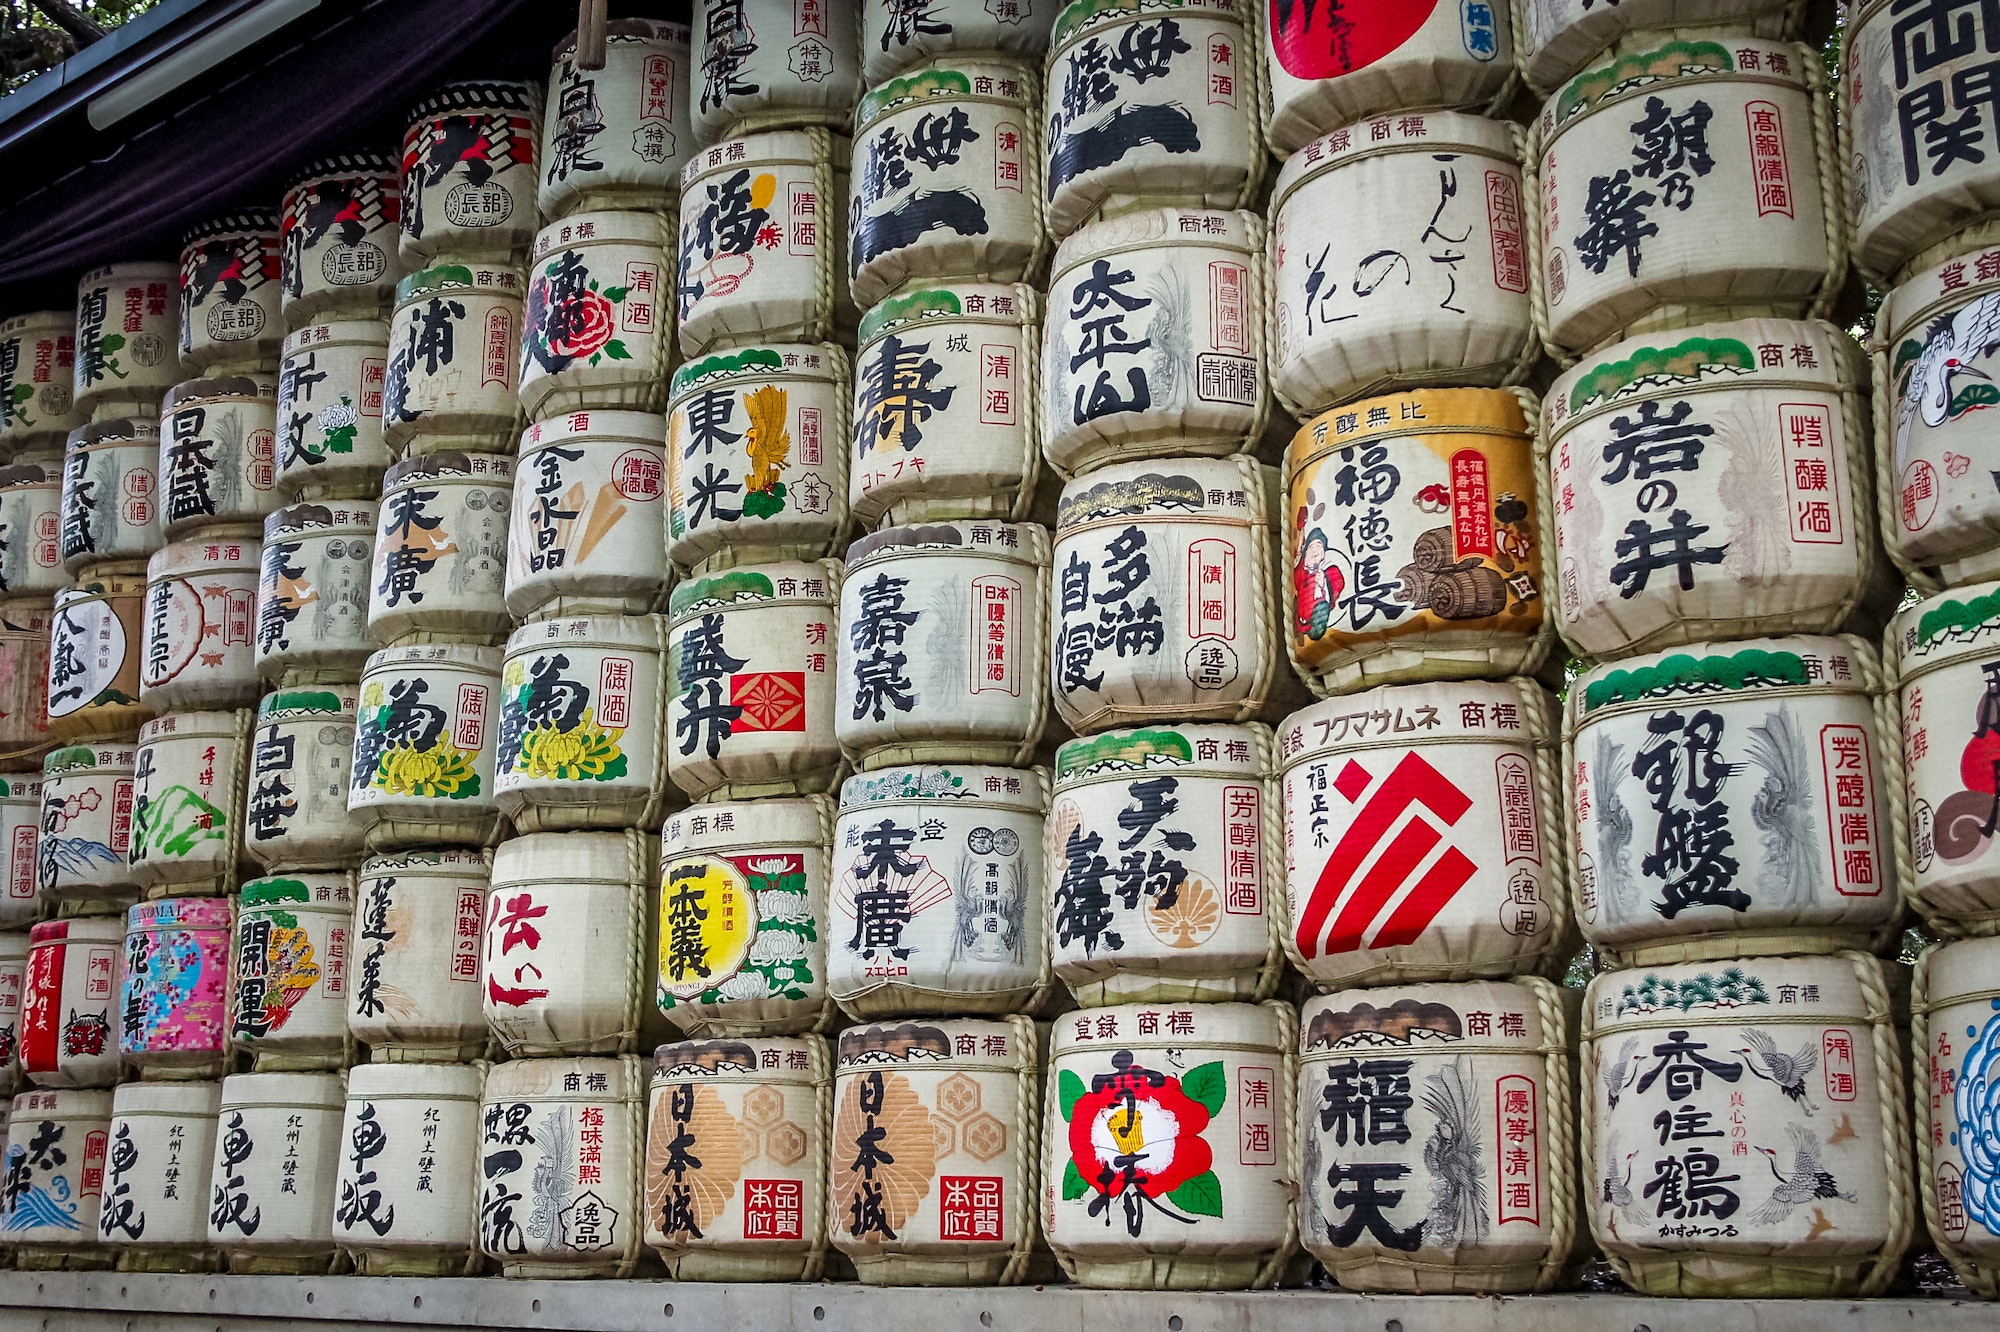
column 1027, row 1156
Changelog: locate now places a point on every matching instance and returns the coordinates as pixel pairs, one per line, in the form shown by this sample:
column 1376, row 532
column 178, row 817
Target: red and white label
column 239, row 607
column 639, row 475
column 21, row 863
column 809, row 447
column 1517, row 809
column 1951, row 1200
column 468, row 729
column 656, row 88
column 969, row 1207
column 1221, row 71
column 996, row 610
column 465, row 936
column 1228, row 330
column 1811, row 481
column 1007, row 156
column 1503, row 219
column 1242, row 847
column 1520, row 1149
column 333, row 976
column 498, row 362
column 94, row 1144
column 1768, row 167
column 637, row 313
column 121, row 815
column 100, row 966
column 1836, row 1051
column 802, row 233
column 1850, row 812
column 773, row 1209
column 809, row 16
column 373, row 371
column 614, row 691
column 998, row 402
column 1471, row 504
column 1256, row 1119
column 1212, row 584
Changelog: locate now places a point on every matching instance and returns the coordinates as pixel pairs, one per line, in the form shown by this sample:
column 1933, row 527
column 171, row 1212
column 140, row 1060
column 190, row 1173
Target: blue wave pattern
column 1976, row 1101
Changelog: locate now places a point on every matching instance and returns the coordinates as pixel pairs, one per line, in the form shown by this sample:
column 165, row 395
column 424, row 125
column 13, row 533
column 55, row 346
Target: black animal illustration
column 1128, row 128
column 926, row 210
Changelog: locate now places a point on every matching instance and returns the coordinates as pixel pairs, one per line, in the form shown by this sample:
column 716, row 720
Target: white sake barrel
column 13, row 982
column 312, row 591
column 1652, row 155
column 338, row 228
column 295, row 816
column 1557, row 38
column 750, row 680
column 587, row 517
column 409, row 1159
column 189, row 787
column 762, row 240
column 87, row 799
column 277, row 1157
column 201, row 607
column 765, row 64
column 111, row 492
column 423, row 746
column 454, row 360
column 174, row 998
column 616, row 136
column 417, row 921
column 942, row 644
column 933, row 1151
column 25, row 628
column 1733, row 799
column 329, row 413
column 56, row 1143
column 897, row 36
column 937, row 899
column 581, row 704
column 567, row 946
column 1153, row 338
column 94, row 636
column 38, row 380
column 471, row 165
column 944, row 405
column 1955, row 1043
column 20, row 905
column 1153, row 103
column 1746, row 1129
column 127, row 338
column 1432, row 1118
column 736, row 1159
column 950, row 184
column 1431, row 282
column 439, row 567
column 597, row 323
column 288, row 969
column 154, row 1207
column 1710, row 435
column 69, row 1015
column 1332, row 67
column 231, row 293
column 743, row 918
column 560, row 1154
column 218, row 453
column 31, row 562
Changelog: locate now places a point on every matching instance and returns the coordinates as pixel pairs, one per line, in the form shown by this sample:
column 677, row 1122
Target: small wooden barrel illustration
column 174, row 1000
column 408, row 1189
column 617, row 136
column 302, row 752
column 937, row 899
column 95, row 636
column 25, row 628
column 1651, row 155
column 13, row 983
column 942, row 648
column 565, row 1138
column 127, row 338
column 218, row 453
column 56, row 1144
column 454, row 360
column 1153, row 339
column 439, row 568
column 277, row 1157
column 69, row 1002
column 1432, row 288
column 21, row 904
column 38, row 380
column 587, row 519
column 231, row 293
column 329, row 414
column 190, row 781
column 423, row 746
column 757, row 455
column 896, row 38
column 1759, row 776
column 751, row 698
column 1431, row 1119
column 111, row 492
column 952, row 185
column 597, row 324
column 762, row 242
column 1160, row 103
column 743, row 918
column 1955, row 1040
column 766, row 64
column 288, row 970
column 201, row 604
column 581, row 703
column 337, row 237
column 417, row 921
column 87, row 816
column 313, row 591
column 736, row 1158
column 1734, row 1115
column 944, row 405
column 471, row 165
column 31, row 564
column 1557, row 38
column 154, row 1209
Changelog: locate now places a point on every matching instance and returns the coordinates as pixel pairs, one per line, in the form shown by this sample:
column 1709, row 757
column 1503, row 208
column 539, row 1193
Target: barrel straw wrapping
column 769, row 64
column 56, row 1145
column 87, row 823
column 616, row 137
column 173, row 1003
column 111, row 492
column 155, row 1199
column 338, row 228
column 218, row 453
column 13, row 984
column 20, row 844
column 408, row 1187
column 454, row 360
column 1557, row 38
column 26, row 628
column 302, row 751
column 69, row 1018
column 424, row 742
column 417, row 922
column 127, row 338
column 329, row 416
column 31, row 564
column 597, row 331
column 471, row 166
column 1955, row 1042
column 38, row 391
column 94, row 653
column 288, row 973
column 895, row 38
column 231, row 294
column 313, row 592
column 201, row 616
column 277, row 1161
column 586, row 532
column 439, row 568
column 190, row 781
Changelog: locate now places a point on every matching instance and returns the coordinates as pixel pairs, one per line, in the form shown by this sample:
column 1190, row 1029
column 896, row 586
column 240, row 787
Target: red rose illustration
column 579, row 326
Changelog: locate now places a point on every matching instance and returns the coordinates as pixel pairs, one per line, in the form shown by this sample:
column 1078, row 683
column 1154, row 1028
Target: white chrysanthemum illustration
column 746, row 985
column 775, row 905
column 335, row 415
column 777, row 946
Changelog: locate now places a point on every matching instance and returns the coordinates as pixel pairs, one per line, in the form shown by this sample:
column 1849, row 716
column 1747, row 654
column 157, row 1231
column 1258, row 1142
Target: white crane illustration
column 1788, row 1071
column 1807, row 1180
column 1951, row 344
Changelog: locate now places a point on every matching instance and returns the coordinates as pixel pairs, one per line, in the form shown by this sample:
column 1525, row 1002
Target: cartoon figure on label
column 1317, row 582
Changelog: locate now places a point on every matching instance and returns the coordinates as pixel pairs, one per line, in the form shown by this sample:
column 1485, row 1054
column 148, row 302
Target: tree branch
column 69, row 20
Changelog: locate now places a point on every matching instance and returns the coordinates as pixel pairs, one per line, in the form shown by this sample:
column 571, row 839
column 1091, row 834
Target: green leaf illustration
column 615, row 349
column 1202, row 1195
column 23, row 392
column 340, row 439
column 1069, row 1090
column 111, row 342
column 1074, row 1186
column 1207, row 1085
column 615, row 294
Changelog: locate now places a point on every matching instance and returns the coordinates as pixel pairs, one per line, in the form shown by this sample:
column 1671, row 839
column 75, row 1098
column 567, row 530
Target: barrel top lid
column 191, row 1100
column 596, row 423
column 1964, row 970
column 204, row 553
column 139, row 429
column 629, row 632
column 444, row 862
column 609, row 227
column 994, row 302
column 1165, row 747
column 987, row 77
column 1176, row 1025
column 933, row 1042
column 64, row 1103
column 1225, row 229
column 180, row 725
column 1426, row 1017
column 1704, row 670
column 55, row 319
column 327, row 332
column 1416, row 132
column 284, row 1091
column 283, row 890
column 1720, row 993
column 1643, row 70
column 771, row 1057
column 479, row 95
column 983, row 785
column 1024, row 543
column 87, row 758
column 629, row 30
column 262, row 388
column 136, row 271
column 1743, row 353
column 20, row 786
column 763, row 148
column 568, row 857
column 1166, row 489
column 320, row 516
column 439, row 277
column 1947, row 624
column 597, row 1080
column 1081, row 15
column 750, row 585
column 82, row 929
column 314, row 700
column 362, row 163
column 1953, row 284
column 29, row 473
column 1402, row 415
column 730, row 823
column 193, row 913
column 258, row 220
column 458, row 1082
column 786, row 359
column 493, row 469
column 482, row 657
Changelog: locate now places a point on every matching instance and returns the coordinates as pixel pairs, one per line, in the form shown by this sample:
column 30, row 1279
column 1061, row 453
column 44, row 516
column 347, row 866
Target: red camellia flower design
column 580, row 325
column 1136, row 1131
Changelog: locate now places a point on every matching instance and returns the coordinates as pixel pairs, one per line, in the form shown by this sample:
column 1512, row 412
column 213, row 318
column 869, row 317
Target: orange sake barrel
column 231, row 294
column 616, row 137
column 765, row 64
column 127, row 338
column 38, row 380
column 337, row 232
column 470, row 171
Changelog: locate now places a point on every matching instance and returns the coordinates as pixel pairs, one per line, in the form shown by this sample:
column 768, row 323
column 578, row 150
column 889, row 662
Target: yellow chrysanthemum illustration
column 442, row 770
column 586, row 752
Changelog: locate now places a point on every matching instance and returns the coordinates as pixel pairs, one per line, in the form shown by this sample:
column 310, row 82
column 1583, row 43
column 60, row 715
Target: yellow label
column 708, row 916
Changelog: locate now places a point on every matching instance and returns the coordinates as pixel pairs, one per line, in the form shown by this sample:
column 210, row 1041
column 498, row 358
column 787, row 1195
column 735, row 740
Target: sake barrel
column 936, row 904
column 313, row 591
column 1431, row 1119
column 21, row 905
column 295, row 815
column 1431, row 282
column 218, row 453
column 38, row 380
column 337, row 236
column 417, row 922
column 56, row 1143
column 87, row 798
column 1557, row 38
column 127, row 338
column 1414, row 542
column 232, row 292
column 423, row 746
column 1332, row 68
column 750, row 680
column 587, row 514
column 190, row 782
column 154, row 1207
column 25, row 628
column 69, row 1019
column 277, row 1159
column 743, row 918
column 330, row 410
column 1647, row 157
column 409, row 1147
column 1765, row 773
column 760, row 257
column 471, row 165
column 13, row 981
column 288, row 970
column 1160, row 102
column 944, row 405
column 1153, row 339
column 439, row 566
column 1792, row 1065
column 454, row 359
column 111, row 492
column 1670, row 458
column 616, row 136
column 933, row 1151
column 581, row 704
column 942, row 651
column 93, row 654
column 1955, row 1037
column 596, row 331
column 201, row 601
column 897, row 37
column 765, row 64
column 174, row 999
column 736, row 1159
column 951, row 182
column 564, row 1137
column 31, row 526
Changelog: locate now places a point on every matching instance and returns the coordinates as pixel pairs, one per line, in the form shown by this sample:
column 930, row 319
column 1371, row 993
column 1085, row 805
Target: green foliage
column 1200, row 1196
column 1208, row 1086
